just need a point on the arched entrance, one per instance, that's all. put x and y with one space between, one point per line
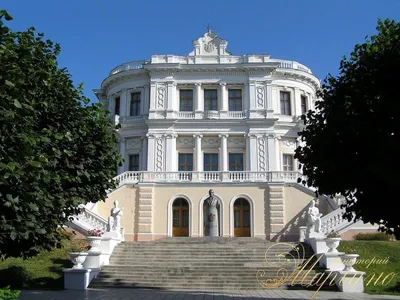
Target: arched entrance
241 215
180 217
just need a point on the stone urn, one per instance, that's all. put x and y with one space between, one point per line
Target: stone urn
349 260
94 242
78 258
332 244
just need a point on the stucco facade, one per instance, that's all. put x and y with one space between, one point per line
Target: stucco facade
210 120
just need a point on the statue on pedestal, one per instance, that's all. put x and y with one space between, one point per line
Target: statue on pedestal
114 220
211 218
313 218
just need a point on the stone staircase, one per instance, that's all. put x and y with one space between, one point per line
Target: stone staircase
203 264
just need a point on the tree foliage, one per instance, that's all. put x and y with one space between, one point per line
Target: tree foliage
57 150
352 140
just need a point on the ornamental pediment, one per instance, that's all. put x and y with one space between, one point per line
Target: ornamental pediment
209 45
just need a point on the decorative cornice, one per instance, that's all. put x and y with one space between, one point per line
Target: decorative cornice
223 135
197 135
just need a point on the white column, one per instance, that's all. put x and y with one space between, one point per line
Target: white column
278 153
253 152
198 98
123 103
122 152
276 102
198 156
224 152
170 162
171 98
271 153
150 152
296 110
252 92
144 153
223 97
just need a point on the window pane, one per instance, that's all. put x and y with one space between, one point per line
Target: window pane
186 100
235 99
246 219
134 162
185 218
176 218
185 162
117 105
210 100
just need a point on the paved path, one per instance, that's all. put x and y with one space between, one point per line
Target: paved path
142 294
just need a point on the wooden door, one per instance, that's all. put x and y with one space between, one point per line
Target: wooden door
241 211
180 218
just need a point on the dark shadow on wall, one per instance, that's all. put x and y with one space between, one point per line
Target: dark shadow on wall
290 232
267 215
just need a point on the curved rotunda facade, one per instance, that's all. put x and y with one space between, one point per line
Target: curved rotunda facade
209 120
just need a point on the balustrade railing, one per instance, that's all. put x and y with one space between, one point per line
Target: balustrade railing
133 65
334 221
185 115
236 115
211 114
130 177
92 219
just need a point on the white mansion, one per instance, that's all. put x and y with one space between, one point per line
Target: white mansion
211 120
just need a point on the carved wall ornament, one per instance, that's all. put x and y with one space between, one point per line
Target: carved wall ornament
260 96
133 143
211 141
160 96
159 157
261 154
236 141
185 141
209 47
288 143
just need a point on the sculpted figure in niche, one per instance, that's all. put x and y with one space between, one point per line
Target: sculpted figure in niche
211 218
114 220
314 218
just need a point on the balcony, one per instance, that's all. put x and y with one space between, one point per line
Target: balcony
133 65
206 177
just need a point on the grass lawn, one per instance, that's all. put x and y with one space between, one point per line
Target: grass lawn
377 270
40 272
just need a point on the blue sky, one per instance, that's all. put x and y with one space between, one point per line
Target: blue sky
97 35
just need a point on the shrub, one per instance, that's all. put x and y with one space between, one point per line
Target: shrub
333 234
65 235
373 236
7 294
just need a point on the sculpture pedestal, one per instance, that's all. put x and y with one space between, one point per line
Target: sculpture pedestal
349 281
78 279
318 245
332 261
212 222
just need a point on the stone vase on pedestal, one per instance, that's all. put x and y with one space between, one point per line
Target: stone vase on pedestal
94 242
78 258
349 260
332 244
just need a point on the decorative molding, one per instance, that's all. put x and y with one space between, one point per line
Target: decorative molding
260 91
235 141
185 141
224 135
170 135
286 143
134 143
161 96
197 136
261 154
159 154
211 141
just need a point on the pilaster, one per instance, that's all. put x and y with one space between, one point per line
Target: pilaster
276 210
146 99
144 153
171 98
170 154
297 102
270 107
271 152
151 151
123 103
145 212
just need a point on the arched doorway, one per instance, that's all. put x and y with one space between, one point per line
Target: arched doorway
180 217
241 215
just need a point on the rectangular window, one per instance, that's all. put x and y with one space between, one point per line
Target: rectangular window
303 105
135 104
134 162
287 162
235 100
235 161
210 162
285 104
117 105
186 100
210 100
185 162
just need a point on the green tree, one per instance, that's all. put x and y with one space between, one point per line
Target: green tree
57 151
352 140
